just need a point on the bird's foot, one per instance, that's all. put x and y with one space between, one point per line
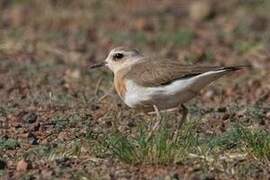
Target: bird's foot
184 111
156 125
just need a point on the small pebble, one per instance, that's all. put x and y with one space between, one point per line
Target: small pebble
108 123
33 140
131 123
3 164
63 162
34 127
222 109
30 118
200 10
22 165
175 176
226 116
94 107
268 115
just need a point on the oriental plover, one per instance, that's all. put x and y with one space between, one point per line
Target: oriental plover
152 84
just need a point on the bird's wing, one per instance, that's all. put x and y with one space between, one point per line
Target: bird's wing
151 72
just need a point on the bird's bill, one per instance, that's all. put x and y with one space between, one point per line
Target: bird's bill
97 65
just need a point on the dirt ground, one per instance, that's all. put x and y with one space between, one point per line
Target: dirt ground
59 120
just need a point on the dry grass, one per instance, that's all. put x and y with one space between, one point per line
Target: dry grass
66 122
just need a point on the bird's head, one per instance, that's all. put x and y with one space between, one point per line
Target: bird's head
119 58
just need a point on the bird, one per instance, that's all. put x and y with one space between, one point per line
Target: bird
153 84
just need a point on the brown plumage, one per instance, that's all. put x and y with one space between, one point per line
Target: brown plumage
119 83
157 72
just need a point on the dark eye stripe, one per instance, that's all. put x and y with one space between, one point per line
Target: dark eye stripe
118 56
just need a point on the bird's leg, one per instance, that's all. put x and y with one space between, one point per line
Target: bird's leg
184 111
157 124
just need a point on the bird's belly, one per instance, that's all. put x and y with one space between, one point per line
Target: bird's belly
164 97
168 96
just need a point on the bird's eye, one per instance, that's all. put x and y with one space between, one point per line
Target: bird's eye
118 56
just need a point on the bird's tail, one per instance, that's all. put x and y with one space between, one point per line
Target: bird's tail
236 68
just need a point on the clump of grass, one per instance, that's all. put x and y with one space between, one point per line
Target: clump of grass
69 150
256 112
159 149
39 151
162 149
255 142
63 121
56 151
8 144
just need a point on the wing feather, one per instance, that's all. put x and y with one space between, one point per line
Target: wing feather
151 72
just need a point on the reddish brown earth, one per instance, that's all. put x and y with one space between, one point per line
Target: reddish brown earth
51 114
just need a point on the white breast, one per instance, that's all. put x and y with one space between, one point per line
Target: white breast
171 95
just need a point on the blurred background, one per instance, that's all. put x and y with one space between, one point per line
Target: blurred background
49 96
82 31
59 39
